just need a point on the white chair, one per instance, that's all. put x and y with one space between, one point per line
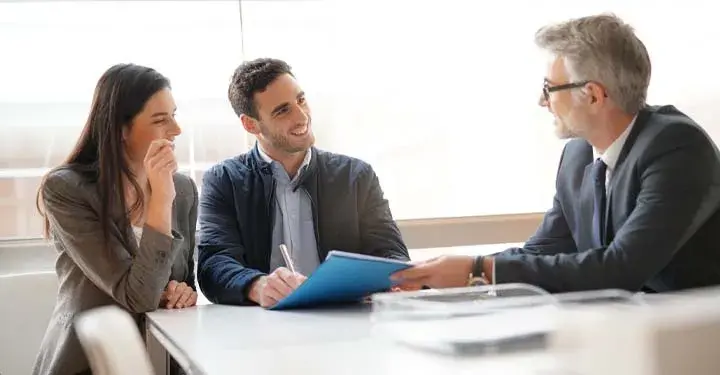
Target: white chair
26 304
112 342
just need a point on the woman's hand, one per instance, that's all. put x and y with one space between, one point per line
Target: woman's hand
178 296
160 165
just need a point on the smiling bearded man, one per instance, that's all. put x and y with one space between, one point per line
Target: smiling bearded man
284 192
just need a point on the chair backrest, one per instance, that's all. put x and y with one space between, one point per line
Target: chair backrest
112 342
26 304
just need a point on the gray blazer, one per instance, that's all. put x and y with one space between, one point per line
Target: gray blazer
92 274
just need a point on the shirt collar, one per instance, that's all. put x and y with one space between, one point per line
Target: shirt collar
264 156
611 155
269 160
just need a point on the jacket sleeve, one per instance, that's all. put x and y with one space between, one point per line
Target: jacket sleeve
192 217
679 192
136 283
379 232
222 276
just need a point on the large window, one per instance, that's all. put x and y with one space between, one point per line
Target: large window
440 96
53 54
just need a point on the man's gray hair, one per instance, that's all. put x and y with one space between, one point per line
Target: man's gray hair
603 49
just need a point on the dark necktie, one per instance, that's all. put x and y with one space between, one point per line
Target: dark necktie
598 223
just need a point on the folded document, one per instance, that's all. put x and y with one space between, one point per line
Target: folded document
343 277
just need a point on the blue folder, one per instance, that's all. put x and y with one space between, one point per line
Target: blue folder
343 278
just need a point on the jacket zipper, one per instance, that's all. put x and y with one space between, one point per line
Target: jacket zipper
271 214
315 221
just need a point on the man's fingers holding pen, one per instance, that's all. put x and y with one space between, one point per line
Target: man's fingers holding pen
278 281
299 279
292 279
270 296
269 290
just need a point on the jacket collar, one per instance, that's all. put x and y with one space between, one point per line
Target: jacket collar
261 165
639 123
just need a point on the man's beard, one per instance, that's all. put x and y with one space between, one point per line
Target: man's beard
562 131
282 142
569 126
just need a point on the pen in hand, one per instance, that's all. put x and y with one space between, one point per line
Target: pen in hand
288 259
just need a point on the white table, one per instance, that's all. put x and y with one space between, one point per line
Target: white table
218 339
215 339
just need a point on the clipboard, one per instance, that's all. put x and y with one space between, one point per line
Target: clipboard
343 278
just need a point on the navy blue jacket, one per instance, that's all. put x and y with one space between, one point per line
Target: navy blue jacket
237 209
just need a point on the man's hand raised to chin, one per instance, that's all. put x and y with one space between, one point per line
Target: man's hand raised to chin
266 291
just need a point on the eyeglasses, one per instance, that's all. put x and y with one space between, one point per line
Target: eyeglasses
547 89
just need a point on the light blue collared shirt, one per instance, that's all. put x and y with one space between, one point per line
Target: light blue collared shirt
293 224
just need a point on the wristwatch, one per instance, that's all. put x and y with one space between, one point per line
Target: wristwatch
477 276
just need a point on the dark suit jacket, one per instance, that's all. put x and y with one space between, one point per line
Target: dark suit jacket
663 220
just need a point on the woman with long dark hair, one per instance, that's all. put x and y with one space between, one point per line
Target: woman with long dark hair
121 219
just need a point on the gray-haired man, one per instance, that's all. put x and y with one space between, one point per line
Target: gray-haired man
638 189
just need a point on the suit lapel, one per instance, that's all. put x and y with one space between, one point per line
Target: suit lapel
638 126
629 142
608 217
586 206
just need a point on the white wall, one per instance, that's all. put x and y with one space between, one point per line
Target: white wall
419 235
27 301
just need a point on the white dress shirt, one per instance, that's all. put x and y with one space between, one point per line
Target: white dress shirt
611 155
